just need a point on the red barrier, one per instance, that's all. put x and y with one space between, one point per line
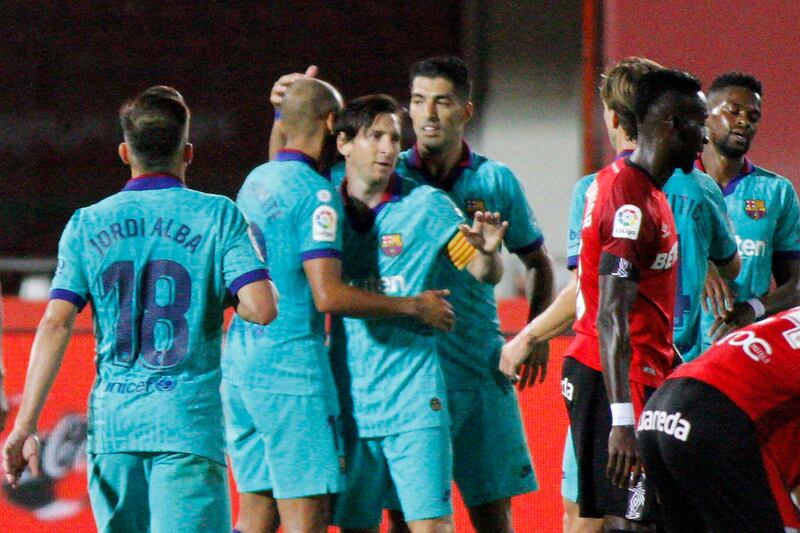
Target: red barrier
59 502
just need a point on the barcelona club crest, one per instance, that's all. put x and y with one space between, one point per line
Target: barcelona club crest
392 244
755 209
475 205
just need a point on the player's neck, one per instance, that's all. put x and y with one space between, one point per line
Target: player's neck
309 145
720 167
624 144
440 164
654 163
179 173
367 191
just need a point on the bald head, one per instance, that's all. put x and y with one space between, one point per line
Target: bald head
307 104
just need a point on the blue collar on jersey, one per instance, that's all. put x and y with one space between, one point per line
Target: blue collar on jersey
149 182
287 154
447 183
747 169
623 154
394 190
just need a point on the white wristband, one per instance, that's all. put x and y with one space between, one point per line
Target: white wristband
622 414
758 307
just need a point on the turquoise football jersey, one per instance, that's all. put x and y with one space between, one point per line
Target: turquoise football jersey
470 354
157 261
387 370
296 215
576 219
764 209
704 232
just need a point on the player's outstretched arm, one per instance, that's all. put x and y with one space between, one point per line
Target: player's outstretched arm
522 349
617 296
539 271
277 139
3 398
485 235
785 296
258 302
332 295
21 449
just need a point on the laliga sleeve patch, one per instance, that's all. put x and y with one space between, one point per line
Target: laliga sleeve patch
627 221
323 224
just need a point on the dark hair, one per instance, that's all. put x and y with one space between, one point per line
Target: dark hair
450 68
653 85
154 124
361 113
736 79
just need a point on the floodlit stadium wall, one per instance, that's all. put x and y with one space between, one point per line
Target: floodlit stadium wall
58 501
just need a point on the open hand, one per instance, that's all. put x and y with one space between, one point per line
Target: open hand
486 233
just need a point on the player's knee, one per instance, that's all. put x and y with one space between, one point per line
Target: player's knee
493 517
443 524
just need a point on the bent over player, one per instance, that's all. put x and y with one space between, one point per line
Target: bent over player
715 434
158 262
399 237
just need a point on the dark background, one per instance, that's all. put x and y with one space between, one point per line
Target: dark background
65 68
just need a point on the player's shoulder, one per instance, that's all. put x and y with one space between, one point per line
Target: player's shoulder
491 168
581 186
435 201
772 179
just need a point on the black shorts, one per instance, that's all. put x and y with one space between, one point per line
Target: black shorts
590 418
702 452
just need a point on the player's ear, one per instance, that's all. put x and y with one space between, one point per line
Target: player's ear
469 110
188 153
122 150
614 119
343 144
329 120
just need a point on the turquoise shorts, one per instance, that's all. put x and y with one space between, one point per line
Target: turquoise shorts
411 471
289 445
158 493
491 460
569 470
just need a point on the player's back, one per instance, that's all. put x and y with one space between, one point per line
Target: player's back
155 261
757 367
294 214
704 233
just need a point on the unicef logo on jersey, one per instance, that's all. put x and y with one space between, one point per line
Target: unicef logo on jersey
147 386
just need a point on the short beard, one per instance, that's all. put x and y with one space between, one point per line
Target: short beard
728 151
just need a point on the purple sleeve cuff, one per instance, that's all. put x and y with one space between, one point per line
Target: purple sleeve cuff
572 262
789 254
248 278
68 296
724 261
528 248
321 253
